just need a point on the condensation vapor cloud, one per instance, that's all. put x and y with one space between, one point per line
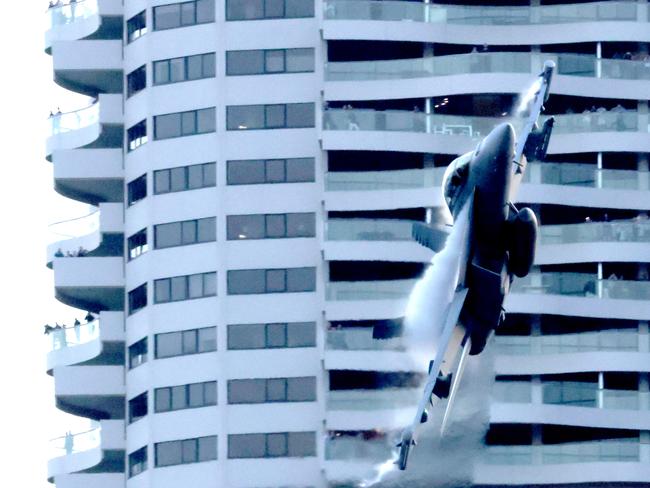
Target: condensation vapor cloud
446 461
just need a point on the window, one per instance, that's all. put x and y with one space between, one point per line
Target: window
259 226
269 61
185 232
137 407
272 390
137 244
184 123
136 81
185 287
268 9
280 116
186 451
136 27
137 298
186 342
136 136
137 189
138 461
258 171
251 281
183 14
138 353
194 395
281 444
186 68
185 178
263 336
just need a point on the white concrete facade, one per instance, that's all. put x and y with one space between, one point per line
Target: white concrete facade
199 279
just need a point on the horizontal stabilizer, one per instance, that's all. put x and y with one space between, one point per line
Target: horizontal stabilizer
433 238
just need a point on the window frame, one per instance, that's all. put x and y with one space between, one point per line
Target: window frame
264 163
138 458
286 53
208 174
179 5
136 136
198 348
198 458
183 118
137 250
133 295
185 60
266 435
233 125
268 273
267 396
169 390
186 285
185 233
135 34
232 234
264 16
136 350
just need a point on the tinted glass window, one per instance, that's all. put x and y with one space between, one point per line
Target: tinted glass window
246 281
301 279
138 353
186 342
138 461
259 336
300 169
301 334
246 172
206 120
138 298
205 11
207 339
300 60
302 444
167 235
166 16
276 335
244 62
246 336
168 126
300 115
136 27
246 391
245 117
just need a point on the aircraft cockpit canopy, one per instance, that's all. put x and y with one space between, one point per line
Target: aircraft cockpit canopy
455 178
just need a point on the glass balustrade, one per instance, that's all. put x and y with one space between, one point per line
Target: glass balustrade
345 448
512 391
581 285
470 126
383 180
478 15
73 443
583 394
606 340
499 62
616 231
384 399
70 336
70 12
606 450
369 290
73 228
360 339
70 121
586 175
369 230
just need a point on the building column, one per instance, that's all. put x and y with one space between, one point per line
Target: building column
599 55
642 163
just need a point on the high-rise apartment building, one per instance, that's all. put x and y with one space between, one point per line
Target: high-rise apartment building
256 166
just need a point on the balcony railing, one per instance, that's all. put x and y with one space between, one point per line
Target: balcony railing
586 175
384 180
369 230
463 15
498 62
369 290
73 335
607 450
71 121
581 285
73 443
73 228
470 126
571 393
616 231
71 12
606 340
364 400
345 448
360 339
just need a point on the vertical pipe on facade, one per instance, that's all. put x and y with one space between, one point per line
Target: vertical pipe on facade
599 54
600 392
642 164
599 167
599 280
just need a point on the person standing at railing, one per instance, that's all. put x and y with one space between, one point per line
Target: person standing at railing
77 330
68 442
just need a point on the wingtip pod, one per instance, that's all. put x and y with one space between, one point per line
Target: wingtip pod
547 75
404 448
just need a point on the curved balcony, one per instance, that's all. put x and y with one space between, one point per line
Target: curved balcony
615 460
585 185
98 342
92 391
89 67
597 21
90 283
91 176
579 294
498 72
400 130
383 409
99 125
98 234
93 456
374 240
84 19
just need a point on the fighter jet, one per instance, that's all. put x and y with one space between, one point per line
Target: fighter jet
498 243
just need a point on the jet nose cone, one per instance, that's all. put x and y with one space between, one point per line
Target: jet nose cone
505 134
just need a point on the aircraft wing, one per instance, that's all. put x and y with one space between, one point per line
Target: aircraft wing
532 142
432 237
